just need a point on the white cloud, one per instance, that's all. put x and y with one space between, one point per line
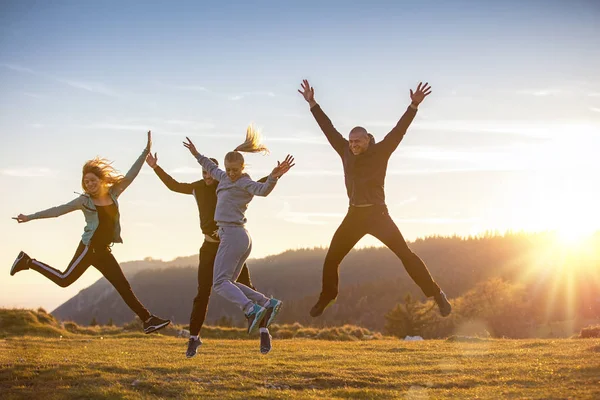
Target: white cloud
116 127
189 87
305 218
34 95
405 201
321 218
595 109
18 68
94 87
541 92
242 95
190 124
28 172
232 97
188 170
305 140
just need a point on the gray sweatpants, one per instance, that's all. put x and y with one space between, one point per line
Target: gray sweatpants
234 249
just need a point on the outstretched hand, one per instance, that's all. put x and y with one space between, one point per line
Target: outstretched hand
419 95
190 146
283 167
152 160
21 218
308 92
149 144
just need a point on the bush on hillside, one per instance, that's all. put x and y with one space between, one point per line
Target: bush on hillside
590 332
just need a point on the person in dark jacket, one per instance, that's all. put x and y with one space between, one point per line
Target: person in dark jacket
365 164
205 194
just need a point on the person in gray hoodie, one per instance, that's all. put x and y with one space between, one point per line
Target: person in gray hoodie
234 192
102 185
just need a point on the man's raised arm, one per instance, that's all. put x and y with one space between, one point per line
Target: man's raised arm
393 139
337 141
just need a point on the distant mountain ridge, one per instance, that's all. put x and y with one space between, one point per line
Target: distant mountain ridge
372 281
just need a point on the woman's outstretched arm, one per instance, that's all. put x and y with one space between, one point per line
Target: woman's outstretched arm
263 189
53 212
120 187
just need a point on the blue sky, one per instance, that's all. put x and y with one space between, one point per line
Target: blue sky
507 140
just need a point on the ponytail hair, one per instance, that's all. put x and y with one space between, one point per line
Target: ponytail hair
103 169
252 144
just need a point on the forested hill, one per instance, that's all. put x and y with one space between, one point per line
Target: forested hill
373 280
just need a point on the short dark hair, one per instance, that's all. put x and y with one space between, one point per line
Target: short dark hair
214 160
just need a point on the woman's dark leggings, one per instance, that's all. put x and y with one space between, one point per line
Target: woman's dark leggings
103 260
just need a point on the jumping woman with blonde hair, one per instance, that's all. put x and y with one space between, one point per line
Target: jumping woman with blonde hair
102 185
234 192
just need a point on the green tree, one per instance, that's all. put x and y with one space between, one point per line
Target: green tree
405 319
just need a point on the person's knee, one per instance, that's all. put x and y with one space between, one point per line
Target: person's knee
331 261
218 286
202 296
65 283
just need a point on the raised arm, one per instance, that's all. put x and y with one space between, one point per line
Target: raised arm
120 187
207 164
263 189
337 141
393 139
185 188
52 212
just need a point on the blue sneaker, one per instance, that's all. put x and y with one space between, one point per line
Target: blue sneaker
272 311
254 317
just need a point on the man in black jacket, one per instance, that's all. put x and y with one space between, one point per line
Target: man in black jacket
365 165
204 191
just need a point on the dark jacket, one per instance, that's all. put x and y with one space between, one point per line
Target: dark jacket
365 173
205 195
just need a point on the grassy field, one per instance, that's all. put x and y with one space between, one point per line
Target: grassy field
155 367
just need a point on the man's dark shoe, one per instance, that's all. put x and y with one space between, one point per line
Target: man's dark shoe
322 304
254 317
21 263
265 342
154 323
443 303
193 345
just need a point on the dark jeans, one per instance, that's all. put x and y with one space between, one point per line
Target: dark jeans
103 260
208 252
376 221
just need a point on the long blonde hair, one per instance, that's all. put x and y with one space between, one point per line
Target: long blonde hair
252 144
103 169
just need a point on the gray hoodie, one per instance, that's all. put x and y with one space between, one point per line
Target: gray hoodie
233 197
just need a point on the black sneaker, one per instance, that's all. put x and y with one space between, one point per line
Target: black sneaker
265 342
193 345
272 310
443 303
321 305
155 323
254 317
21 263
